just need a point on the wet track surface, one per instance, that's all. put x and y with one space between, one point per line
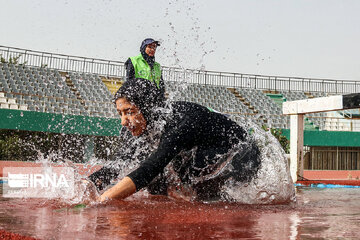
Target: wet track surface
317 214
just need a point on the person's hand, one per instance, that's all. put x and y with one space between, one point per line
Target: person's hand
103 198
124 188
86 192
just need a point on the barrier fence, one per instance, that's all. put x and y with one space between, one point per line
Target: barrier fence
110 68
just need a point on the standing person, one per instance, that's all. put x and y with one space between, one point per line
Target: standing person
144 65
198 150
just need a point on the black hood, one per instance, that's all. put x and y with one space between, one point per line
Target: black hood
148 59
144 94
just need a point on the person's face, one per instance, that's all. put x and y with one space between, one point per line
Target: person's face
131 117
151 49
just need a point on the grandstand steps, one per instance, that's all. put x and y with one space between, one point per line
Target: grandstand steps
72 87
242 99
113 84
236 94
309 95
63 74
251 107
270 92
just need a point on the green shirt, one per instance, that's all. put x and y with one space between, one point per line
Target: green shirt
143 70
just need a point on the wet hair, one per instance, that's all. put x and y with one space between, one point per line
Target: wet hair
143 94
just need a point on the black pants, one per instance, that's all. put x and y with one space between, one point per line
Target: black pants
244 169
245 166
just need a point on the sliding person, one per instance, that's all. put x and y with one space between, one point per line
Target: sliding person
179 146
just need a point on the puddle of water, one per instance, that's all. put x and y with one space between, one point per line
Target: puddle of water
317 214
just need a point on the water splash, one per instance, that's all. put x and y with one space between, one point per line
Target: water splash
187 43
47 163
273 183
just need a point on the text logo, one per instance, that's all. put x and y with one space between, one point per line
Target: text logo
38 182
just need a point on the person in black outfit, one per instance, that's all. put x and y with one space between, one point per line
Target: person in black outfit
196 150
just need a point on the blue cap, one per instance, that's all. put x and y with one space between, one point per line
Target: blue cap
148 41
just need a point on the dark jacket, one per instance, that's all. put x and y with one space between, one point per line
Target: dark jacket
196 143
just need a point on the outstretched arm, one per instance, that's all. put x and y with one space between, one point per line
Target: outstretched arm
121 190
103 177
173 141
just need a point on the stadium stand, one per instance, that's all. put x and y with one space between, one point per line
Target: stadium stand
265 107
214 97
71 95
49 90
61 84
46 90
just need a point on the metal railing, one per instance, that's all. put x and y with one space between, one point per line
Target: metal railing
262 82
116 69
62 62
